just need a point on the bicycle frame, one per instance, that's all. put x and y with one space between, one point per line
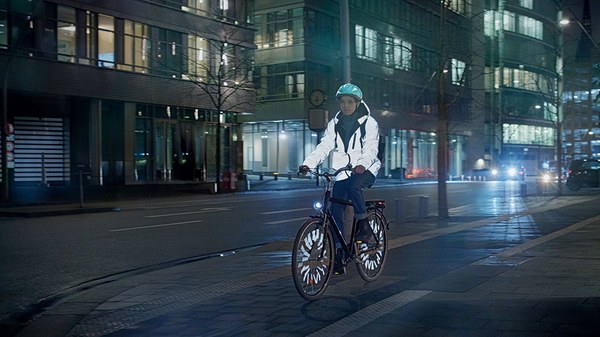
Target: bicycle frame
328 219
314 245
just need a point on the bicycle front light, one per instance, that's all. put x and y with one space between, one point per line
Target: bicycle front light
317 205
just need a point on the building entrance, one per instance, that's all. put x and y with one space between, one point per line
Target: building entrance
175 151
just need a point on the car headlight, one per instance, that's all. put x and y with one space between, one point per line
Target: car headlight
494 172
512 172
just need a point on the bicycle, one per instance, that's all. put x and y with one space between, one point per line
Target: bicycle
313 253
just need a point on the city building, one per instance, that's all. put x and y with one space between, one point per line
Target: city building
410 58
522 63
114 92
581 97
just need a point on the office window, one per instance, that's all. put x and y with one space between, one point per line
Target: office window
531 27
136 50
169 54
397 53
3 29
66 33
458 6
197 58
198 7
458 72
321 29
106 41
366 43
285 80
402 54
283 28
526 3
528 134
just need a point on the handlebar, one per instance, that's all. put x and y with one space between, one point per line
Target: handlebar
328 175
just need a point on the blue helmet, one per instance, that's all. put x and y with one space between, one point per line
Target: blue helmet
350 90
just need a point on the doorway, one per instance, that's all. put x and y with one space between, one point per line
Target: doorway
176 147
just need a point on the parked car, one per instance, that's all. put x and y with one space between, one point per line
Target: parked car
583 173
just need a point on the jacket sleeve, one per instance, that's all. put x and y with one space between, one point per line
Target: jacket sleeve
324 147
370 147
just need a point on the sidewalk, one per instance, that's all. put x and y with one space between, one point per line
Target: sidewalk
543 286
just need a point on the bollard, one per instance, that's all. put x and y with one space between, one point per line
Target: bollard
261 176
423 206
248 185
399 209
523 189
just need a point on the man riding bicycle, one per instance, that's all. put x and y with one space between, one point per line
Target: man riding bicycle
353 136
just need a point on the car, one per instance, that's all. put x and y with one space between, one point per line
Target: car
583 173
509 172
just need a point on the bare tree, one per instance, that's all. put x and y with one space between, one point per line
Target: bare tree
220 66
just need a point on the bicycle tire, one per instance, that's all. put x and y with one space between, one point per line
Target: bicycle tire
312 259
371 256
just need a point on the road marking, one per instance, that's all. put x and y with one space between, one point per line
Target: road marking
204 210
369 314
285 220
287 211
154 226
532 243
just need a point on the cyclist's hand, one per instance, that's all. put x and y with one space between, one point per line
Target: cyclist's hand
359 169
303 170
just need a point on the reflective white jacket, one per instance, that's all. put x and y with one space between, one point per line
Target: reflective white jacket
362 149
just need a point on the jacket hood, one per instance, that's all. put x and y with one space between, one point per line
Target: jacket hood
362 110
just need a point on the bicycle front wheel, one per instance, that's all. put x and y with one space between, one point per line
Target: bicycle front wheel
312 259
371 256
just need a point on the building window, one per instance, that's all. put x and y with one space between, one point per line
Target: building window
282 28
525 80
402 54
526 3
366 43
3 29
106 41
458 72
531 27
197 58
285 81
136 51
458 6
198 7
528 134
66 33
513 23
169 54
321 29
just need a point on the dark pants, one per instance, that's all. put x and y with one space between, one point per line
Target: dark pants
351 189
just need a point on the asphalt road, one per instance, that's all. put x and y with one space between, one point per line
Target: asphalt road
46 256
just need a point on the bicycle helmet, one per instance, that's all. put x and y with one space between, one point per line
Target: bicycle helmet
350 90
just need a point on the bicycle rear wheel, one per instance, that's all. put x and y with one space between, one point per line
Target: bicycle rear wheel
312 259
371 256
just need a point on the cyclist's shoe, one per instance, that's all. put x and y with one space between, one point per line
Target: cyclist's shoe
363 232
338 265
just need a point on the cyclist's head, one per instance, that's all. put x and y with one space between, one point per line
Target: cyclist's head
349 89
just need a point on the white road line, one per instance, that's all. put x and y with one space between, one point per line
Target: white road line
369 314
154 226
204 210
532 243
285 220
287 211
